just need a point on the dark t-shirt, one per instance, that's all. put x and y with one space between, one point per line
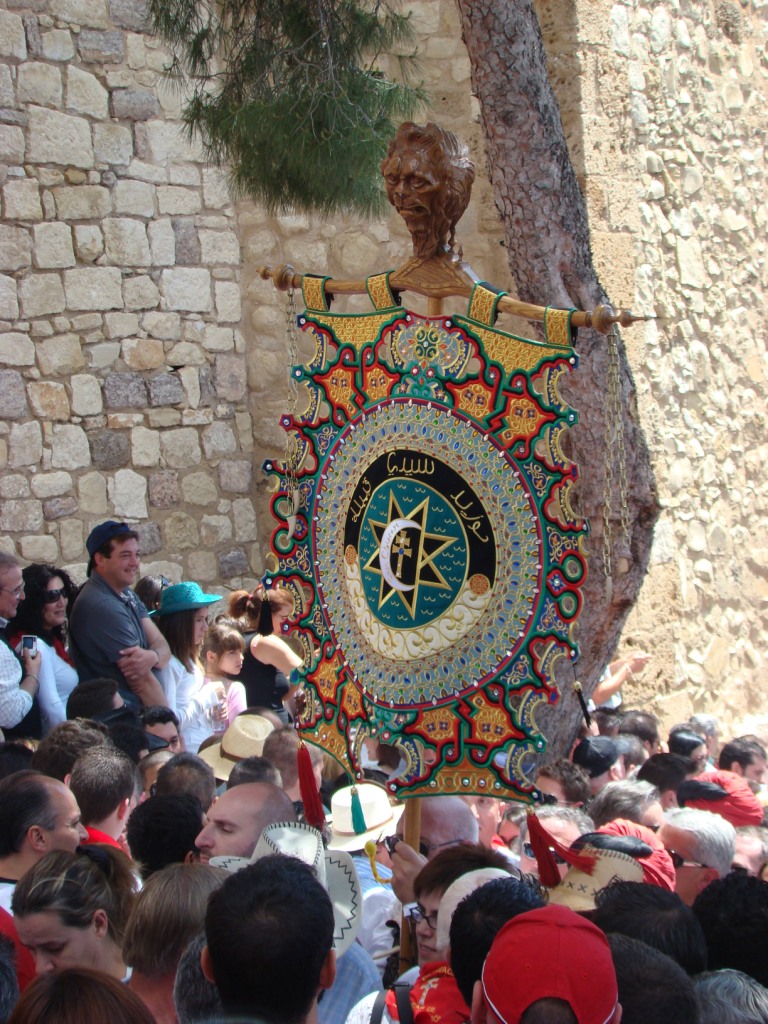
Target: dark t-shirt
102 624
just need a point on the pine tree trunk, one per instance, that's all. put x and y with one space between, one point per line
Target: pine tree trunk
547 238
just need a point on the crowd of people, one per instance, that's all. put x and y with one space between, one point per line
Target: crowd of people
157 864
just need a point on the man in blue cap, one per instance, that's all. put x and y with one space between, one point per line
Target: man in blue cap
111 633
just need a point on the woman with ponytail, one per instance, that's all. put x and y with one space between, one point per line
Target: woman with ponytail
269 661
71 909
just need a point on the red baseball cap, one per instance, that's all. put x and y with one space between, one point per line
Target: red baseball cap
550 953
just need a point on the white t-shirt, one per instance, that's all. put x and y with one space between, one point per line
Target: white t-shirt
6 895
57 680
191 698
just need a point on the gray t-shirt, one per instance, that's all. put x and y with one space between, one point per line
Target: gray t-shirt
103 623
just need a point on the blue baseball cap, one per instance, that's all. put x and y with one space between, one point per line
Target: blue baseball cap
103 532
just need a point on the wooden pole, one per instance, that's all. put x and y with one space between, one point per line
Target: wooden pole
421 281
411 836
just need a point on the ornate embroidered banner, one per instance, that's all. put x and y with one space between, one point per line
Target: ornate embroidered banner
436 558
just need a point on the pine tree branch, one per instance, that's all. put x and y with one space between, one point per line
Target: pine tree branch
287 94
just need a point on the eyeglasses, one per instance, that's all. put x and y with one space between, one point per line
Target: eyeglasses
528 851
417 913
425 848
680 862
52 596
18 591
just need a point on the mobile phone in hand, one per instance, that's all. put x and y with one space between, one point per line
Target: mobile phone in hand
29 643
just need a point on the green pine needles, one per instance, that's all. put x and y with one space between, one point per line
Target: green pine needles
288 94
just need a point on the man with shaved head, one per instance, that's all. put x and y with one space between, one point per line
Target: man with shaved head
234 823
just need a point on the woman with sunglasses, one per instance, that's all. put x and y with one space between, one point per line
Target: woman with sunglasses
149 590
48 596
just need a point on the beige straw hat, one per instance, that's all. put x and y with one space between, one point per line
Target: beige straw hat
577 890
244 738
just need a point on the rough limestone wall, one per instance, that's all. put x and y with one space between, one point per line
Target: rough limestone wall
143 363
123 364
133 383
692 121
664 108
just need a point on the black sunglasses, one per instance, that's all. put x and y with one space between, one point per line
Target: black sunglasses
680 862
424 848
52 596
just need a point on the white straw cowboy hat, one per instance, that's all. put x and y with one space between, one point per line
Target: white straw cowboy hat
380 816
244 738
334 869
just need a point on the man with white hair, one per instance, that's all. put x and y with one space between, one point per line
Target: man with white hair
701 846
565 824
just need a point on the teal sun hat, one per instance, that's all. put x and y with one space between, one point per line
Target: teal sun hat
183 597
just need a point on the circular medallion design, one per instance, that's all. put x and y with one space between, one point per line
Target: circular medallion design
414 507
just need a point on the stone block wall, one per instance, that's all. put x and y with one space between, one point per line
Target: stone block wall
663 106
123 360
694 81
144 363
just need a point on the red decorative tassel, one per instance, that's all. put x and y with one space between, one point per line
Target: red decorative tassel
541 841
545 846
310 794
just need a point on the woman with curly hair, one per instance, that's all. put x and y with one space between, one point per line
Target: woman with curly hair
269 661
71 909
48 596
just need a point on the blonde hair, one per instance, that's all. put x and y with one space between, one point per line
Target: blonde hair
168 913
76 885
